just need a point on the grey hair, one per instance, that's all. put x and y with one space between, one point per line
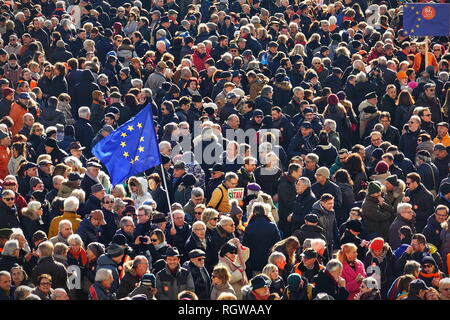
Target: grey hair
224 221
305 181
120 189
197 192
84 112
124 221
198 223
137 82
333 264
268 268
230 175
402 206
76 238
312 156
71 204
147 210
297 89
274 256
266 90
178 212
318 244
227 56
64 222
330 123
57 293
57 179
74 161
79 194
10 247
102 275
22 292
411 267
361 77
444 281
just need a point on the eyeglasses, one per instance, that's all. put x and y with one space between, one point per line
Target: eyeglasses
200 259
436 49
217 219
8 199
46 283
108 202
259 117
198 212
202 229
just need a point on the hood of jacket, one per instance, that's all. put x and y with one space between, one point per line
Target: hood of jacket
105 260
398 190
323 147
283 85
141 183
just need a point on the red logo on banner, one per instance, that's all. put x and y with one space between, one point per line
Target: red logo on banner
428 13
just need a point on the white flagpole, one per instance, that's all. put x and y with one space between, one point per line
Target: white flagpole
167 193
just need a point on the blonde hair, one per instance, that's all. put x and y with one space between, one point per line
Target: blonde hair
345 249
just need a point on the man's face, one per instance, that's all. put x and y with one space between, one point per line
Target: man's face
308 262
231 183
99 194
142 217
408 214
5 283
276 115
8 200
197 200
320 178
200 231
178 220
328 205
413 125
172 262
93 171
410 184
66 231
441 131
426 116
198 262
376 140
108 203
343 157
250 167
417 247
385 122
430 92
305 132
392 92
445 290
229 227
441 215
264 291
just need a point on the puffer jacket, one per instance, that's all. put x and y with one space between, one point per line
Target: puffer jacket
394 197
51 116
257 85
350 274
282 93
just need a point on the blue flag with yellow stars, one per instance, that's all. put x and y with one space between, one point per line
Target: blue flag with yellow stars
426 19
130 149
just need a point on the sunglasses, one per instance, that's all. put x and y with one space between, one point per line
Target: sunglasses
46 283
108 202
217 219
153 240
198 212
200 259
427 115
8 199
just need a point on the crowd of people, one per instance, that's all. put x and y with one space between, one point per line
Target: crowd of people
304 151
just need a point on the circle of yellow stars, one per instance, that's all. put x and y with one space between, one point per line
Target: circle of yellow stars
123 144
418 19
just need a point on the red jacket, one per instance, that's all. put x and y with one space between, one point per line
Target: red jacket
199 62
5 155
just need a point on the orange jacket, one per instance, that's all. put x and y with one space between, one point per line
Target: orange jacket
32 83
418 60
16 113
5 155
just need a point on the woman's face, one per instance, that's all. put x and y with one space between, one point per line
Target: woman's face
152 184
17 276
90 255
213 221
274 274
27 75
103 81
193 85
351 255
215 280
431 295
45 285
75 247
154 239
39 212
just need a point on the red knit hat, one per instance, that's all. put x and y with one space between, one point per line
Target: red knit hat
333 99
376 244
8 91
381 167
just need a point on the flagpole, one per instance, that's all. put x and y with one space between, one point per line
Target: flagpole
426 52
167 193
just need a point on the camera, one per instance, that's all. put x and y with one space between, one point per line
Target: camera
143 239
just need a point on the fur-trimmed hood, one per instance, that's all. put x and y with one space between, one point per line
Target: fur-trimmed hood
128 267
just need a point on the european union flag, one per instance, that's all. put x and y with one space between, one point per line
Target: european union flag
131 149
426 19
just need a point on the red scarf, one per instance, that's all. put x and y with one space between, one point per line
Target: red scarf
259 297
80 256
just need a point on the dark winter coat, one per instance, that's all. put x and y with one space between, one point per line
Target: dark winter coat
82 92
302 206
105 262
88 232
84 133
8 217
308 231
328 187
327 220
286 198
432 231
202 280
376 217
49 266
324 282
260 235
394 237
422 201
